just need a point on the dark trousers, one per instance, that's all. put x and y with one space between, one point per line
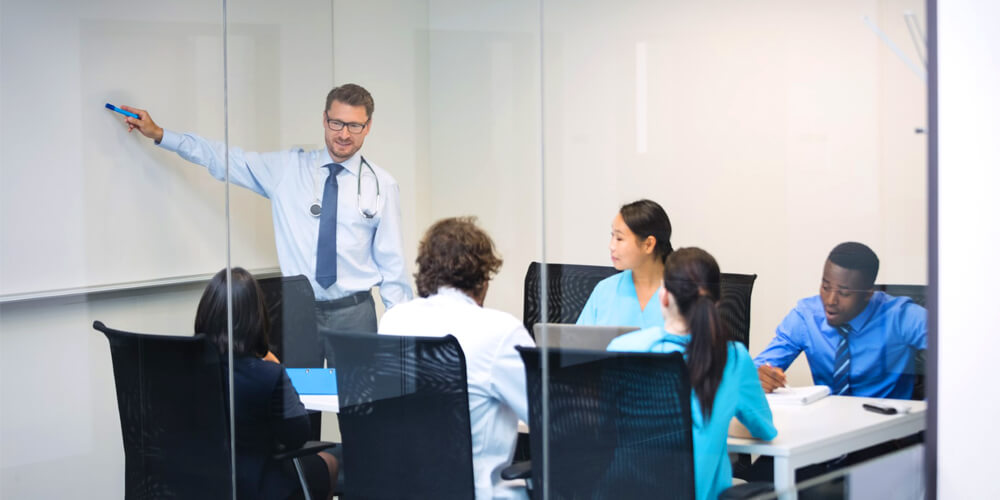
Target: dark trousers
354 314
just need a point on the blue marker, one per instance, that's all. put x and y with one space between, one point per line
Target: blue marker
116 109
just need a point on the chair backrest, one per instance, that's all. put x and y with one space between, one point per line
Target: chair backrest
619 424
291 307
918 293
404 417
173 415
569 287
734 305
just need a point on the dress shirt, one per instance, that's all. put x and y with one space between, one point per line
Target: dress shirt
369 251
497 397
884 341
614 302
739 395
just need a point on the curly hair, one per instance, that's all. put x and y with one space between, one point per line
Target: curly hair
455 253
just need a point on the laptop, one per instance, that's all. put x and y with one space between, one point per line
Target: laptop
572 336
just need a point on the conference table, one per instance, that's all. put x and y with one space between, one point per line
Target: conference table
827 429
807 434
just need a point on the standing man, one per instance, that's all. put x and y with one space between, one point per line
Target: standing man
336 215
859 342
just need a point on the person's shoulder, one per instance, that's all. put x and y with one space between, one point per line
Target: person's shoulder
896 303
501 319
738 352
258 369
638 341
383 175
611 282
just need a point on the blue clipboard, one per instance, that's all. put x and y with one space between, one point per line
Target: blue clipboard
314 381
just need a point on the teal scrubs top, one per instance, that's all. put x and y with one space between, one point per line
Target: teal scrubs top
614 302
739 395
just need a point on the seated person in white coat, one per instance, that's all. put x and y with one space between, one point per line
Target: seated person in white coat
455 263
640 244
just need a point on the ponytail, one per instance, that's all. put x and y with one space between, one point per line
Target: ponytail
706 351
692 276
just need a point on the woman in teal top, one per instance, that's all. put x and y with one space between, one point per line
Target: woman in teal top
640 243
724 381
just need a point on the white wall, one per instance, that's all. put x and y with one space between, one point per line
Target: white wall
774 131
968 157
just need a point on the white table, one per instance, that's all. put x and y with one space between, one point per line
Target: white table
825 430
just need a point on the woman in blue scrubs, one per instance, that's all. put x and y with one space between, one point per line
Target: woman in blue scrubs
640 244
724 381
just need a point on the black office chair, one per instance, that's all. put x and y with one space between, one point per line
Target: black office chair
570 285
917 293
404 417
734 305
291 306
294 338
172 401
619 425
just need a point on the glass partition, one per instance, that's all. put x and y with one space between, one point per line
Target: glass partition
99 224
768 132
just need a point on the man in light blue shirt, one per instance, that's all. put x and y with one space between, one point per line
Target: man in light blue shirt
858 341
368 239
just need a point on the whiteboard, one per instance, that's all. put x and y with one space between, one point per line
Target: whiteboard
83 203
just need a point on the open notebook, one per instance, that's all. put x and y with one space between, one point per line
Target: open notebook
798 395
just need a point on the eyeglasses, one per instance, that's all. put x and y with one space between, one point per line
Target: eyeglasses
337 125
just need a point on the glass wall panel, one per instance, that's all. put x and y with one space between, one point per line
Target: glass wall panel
770 133
98 224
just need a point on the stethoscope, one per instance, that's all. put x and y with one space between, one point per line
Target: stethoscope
317 207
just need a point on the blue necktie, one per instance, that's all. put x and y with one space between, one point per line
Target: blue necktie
326 250
842 364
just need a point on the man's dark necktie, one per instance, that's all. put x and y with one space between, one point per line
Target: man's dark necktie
326 250
842 364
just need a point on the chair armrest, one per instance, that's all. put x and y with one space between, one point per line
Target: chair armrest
518 470
309 448
746 490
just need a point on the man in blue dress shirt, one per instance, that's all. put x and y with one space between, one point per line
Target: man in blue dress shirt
342 232
858 341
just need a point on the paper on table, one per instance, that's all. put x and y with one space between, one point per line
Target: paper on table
798 395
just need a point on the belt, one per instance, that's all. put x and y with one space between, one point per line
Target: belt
350 300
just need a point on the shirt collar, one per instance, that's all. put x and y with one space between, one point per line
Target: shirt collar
450 293
352 164
861 319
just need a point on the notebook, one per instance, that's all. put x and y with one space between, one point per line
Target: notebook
798 395
313 381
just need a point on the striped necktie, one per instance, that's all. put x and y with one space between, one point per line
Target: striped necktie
842 364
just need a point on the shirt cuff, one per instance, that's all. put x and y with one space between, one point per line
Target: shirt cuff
171 141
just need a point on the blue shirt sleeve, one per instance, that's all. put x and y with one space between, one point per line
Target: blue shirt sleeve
914 325
258 172
786 344
752 410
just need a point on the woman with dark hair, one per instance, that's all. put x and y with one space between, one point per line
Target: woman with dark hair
455 262
640 243
723 378
267 407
